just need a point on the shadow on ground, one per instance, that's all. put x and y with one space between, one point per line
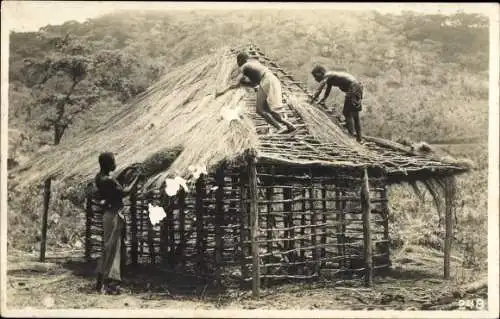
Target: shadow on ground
152 281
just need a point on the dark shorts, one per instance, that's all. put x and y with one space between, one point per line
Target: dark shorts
353 98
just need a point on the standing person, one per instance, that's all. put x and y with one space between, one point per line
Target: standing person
109 265
353 94
268 94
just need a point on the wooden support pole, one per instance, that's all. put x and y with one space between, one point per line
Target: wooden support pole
341 228
164 234
200 246
133 226
324 221
150 243
269 233
181 203
233 207
140 229
254 225
286 225
367 235
46 201
385 215
171 232
287 207
219 220
88 226
449 203
314 218
244 223
303 224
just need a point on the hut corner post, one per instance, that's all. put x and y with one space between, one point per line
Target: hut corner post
133 226
367 235
254 224
219 220
46 201
449 201
88 227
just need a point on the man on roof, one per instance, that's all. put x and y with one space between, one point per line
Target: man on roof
353 94
268 93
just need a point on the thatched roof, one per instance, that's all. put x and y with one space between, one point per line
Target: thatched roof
181 111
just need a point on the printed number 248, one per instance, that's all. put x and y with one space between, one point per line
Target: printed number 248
472 304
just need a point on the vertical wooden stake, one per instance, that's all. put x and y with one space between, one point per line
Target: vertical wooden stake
386 225
200 247
171 232
338 228
133 230
181 198
219 219
88 226
269 233
449 200
46 201
244 224
367 235
343 226
313 229
324 221
140 230
150 242
303 228
233 208
288 208
254 224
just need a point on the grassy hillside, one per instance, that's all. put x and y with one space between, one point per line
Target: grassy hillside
426 78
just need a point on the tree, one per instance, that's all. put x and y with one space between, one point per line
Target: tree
58 85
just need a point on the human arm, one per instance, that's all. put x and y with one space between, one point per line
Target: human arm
119 190
319 90
327 93
242 80
128 189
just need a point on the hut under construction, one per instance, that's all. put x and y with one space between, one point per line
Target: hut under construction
269 206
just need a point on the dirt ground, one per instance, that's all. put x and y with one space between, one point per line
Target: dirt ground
414 283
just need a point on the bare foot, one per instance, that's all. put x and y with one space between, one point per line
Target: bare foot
288 130
283 130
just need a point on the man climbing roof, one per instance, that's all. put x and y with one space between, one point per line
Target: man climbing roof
353 94
268 93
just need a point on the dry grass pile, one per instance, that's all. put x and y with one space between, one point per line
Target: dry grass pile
180 111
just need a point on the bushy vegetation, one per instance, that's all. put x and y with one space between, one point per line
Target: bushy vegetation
425 78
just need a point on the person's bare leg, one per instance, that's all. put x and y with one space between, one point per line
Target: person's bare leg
269 119
348 121
261 109
280 119
277 117
357 125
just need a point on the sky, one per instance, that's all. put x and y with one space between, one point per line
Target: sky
31 15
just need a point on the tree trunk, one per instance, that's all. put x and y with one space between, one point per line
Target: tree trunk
58 133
